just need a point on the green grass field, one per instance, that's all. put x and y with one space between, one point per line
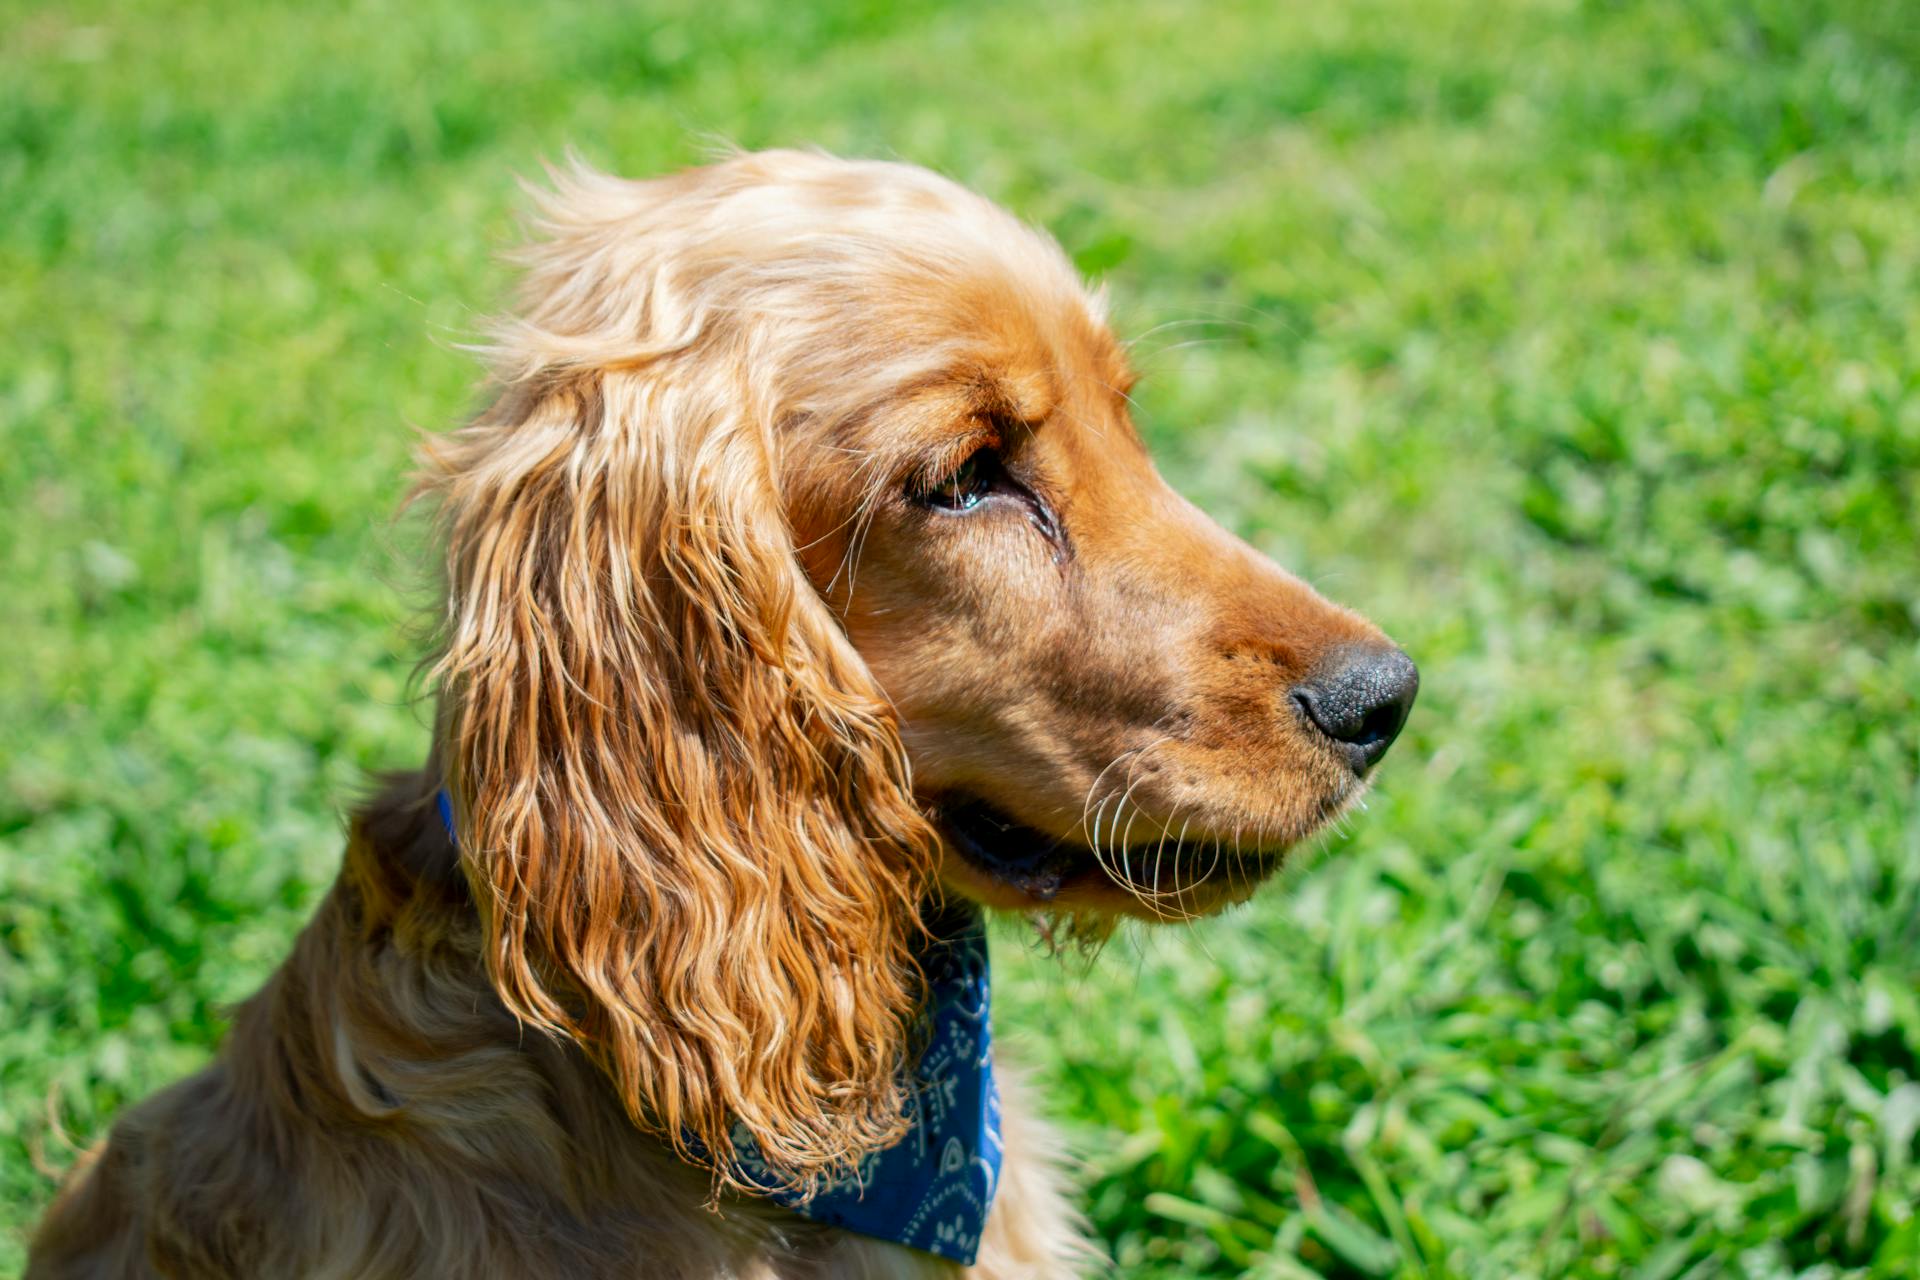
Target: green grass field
1577 343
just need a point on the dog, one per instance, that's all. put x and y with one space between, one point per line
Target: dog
808 590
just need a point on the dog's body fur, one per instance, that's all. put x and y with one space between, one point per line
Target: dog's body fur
804 569
507 1158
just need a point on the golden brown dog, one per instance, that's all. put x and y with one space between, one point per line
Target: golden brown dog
805 568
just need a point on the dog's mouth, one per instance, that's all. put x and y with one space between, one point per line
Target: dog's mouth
1169 875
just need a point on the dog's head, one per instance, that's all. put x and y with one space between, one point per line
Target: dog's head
808 558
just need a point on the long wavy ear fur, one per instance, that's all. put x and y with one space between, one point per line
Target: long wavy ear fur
682 803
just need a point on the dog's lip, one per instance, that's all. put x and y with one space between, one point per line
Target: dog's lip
1043 866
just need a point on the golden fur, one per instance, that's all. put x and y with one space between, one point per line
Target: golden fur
712 669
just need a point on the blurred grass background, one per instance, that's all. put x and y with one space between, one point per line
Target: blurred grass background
1573 341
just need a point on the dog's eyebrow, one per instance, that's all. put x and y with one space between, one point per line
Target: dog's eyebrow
1025 402
968 406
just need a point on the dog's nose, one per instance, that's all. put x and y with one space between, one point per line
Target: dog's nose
1359 696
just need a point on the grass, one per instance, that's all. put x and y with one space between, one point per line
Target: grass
1577 343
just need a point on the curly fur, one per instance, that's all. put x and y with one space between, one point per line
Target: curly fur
658 742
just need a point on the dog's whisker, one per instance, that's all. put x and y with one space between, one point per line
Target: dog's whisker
1126 880
1094 787
1163 326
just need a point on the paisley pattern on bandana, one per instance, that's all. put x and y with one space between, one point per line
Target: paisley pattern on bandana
931 1190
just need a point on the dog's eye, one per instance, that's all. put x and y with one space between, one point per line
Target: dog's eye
964 487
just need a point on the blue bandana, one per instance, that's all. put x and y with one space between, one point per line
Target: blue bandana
932 1189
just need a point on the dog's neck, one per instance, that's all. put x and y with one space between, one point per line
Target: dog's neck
404 885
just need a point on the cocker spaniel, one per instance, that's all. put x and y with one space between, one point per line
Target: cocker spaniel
807 589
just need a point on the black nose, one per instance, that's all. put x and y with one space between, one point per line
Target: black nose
1359 697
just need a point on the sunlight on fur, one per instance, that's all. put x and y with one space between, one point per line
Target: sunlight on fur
804 569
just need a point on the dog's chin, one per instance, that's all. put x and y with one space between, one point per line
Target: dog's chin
1003 864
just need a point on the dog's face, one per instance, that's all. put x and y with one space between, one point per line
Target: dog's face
1110 702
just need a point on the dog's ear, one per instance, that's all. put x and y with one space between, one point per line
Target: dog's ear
681 801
